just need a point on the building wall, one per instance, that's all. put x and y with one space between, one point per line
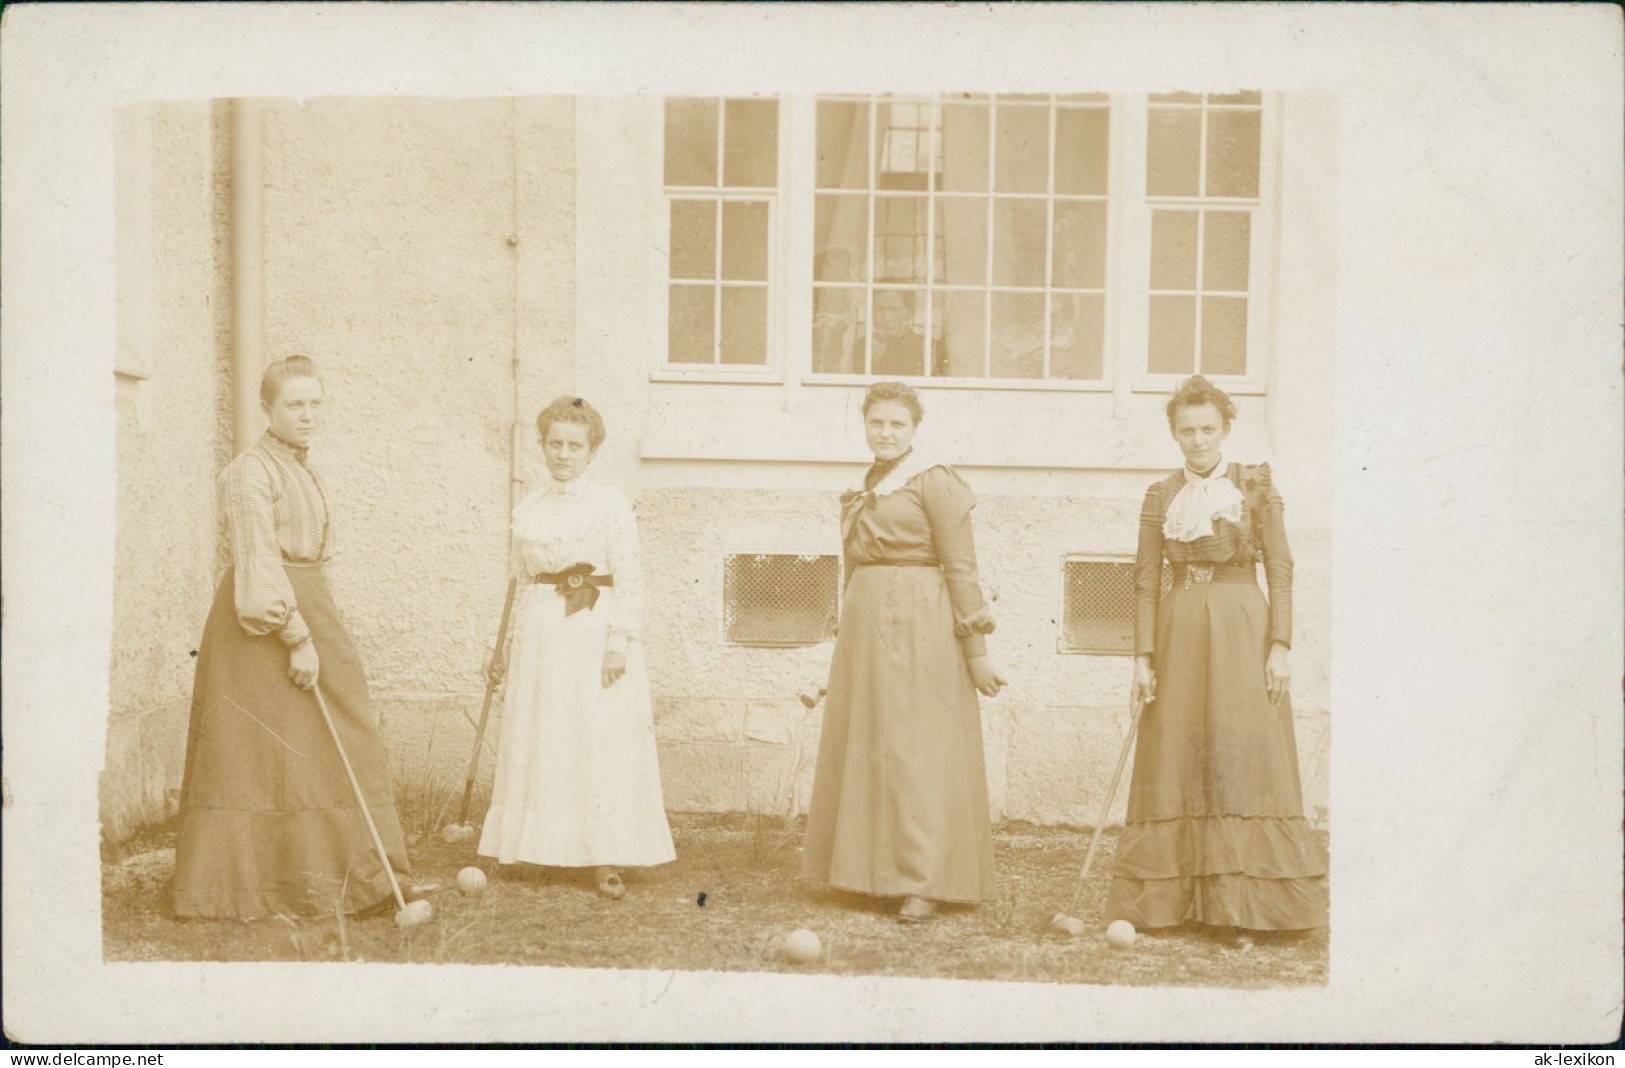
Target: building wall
444 264
169 430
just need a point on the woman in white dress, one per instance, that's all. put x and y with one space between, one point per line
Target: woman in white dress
577 774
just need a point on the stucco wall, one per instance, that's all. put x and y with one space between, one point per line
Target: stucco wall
168 433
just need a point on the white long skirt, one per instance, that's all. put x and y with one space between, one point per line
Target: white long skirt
577 772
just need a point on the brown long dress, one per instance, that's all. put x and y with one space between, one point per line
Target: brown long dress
1215 830
899 803
269 821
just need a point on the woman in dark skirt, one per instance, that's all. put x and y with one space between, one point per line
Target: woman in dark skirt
1215 832
899 802
270 823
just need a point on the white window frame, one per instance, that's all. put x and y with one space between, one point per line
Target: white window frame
1127 291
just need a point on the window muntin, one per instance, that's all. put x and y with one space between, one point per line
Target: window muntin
971 231
721 181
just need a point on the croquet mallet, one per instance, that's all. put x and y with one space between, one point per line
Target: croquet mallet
461 830
1064 921
406 915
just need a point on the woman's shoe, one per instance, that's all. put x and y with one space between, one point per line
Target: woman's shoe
609 883
916 910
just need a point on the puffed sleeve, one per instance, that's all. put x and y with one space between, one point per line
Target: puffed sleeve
1148 572
948 503
626 606
1269 525
264 598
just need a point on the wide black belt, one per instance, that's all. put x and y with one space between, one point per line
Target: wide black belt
576 584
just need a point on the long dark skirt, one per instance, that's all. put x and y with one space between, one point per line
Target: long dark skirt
899 803
270 823
1215 830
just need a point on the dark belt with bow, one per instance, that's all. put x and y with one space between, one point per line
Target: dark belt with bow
577 585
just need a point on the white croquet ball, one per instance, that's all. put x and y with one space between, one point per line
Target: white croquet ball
453 833
414 913
800 946
1120 934
471 880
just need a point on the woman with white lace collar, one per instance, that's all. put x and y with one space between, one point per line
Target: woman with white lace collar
577 774
1215 832
899 804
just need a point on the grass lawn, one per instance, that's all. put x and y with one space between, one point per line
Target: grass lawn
747 870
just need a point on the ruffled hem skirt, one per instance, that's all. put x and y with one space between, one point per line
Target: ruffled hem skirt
270 824
1215 831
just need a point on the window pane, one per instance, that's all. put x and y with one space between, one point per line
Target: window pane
837 330
1080 150
1080 245
961 324
1246 96
744 324
843 144
1176 98
691 142
1022 162
744 241
1018 335
900 239
750 143
690 328
964 148
693 239
1173 249
1174 143
903 145
962 240
1099 98
1173 335
898 343
1224 335
840 238
1077 331
1225 246
1232 153
1018 242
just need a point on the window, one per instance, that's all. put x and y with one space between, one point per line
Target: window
1202 186
1083 241
969 230
1097 605
721 176
780 599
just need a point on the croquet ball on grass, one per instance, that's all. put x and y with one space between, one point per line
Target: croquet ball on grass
800 946
414 913
471 880
1120 934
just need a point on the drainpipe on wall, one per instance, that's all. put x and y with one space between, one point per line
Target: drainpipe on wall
247 269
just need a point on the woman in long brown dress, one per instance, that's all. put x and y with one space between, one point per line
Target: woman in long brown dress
899 802
1215 832
270 823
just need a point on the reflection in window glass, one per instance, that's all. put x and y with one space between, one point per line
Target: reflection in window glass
1018 335
987 212
1077 335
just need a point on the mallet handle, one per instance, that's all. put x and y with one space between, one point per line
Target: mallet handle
366 814
485 709
1111 795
